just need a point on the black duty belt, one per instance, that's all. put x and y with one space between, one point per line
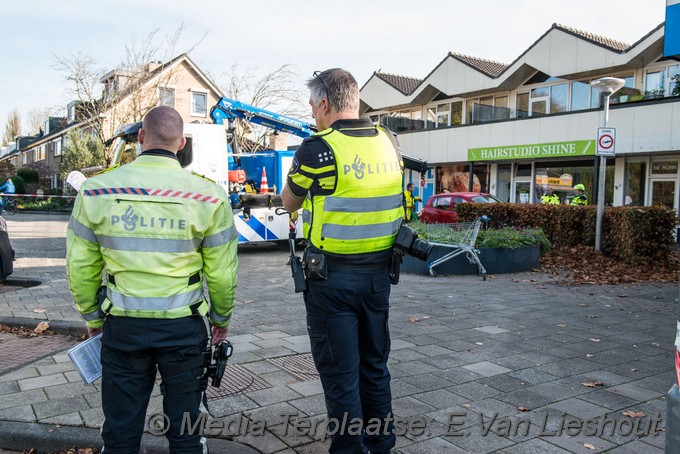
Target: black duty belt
337 266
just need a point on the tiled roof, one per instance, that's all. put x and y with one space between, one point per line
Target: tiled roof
404 84
488 67
601 40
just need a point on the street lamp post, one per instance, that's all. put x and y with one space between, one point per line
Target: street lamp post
606 85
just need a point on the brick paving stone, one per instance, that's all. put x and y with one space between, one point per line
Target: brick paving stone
42 382
487 369
634 392
59 406
310 405
273 395
580 408
19 413
308 388
432 446
440 398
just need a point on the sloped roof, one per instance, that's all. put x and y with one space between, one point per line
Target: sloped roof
406 85
488 67
495 74
596 39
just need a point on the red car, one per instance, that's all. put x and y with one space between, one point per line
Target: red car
441 208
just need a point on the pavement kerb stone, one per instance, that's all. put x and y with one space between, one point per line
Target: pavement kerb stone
58 326
53 438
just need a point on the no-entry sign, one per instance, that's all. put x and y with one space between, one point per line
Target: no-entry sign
606 140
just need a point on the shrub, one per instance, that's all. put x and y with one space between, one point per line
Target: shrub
504 237
636 235
29 175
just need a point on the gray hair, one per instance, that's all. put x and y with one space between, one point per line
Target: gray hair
338 86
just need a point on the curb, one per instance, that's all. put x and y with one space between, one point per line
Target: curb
58 326
53 438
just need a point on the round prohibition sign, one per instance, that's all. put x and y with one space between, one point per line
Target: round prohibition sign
606 141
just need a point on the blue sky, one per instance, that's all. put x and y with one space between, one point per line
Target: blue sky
396 36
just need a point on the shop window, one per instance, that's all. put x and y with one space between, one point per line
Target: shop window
563 175
636 172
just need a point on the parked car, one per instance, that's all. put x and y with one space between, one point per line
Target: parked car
441 208
6 252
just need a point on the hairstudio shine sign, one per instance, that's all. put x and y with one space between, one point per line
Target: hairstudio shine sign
534 151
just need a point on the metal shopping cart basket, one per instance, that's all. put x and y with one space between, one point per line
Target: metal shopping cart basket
461 238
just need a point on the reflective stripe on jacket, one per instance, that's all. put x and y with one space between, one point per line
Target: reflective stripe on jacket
152 225
365 211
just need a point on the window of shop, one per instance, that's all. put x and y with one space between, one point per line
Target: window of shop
504 180
456 178
563 175
635 175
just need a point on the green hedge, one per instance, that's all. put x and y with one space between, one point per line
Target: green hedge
635 235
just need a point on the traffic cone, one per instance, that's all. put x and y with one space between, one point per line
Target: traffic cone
264 186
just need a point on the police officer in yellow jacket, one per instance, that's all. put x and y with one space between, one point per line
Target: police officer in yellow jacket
410 203
154 232
348 179
581 198
550 198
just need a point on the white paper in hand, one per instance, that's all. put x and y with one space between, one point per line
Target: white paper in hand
75 179
86 356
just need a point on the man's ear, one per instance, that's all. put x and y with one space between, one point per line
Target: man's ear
182 143
140 136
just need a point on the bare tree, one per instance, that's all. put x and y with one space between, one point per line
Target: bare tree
108 100
12 127
279 91
35 119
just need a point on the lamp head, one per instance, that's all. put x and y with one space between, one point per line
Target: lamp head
608 85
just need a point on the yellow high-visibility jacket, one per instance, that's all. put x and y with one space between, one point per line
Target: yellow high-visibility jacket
365 211
156 230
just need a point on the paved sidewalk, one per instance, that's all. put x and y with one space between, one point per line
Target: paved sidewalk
511 365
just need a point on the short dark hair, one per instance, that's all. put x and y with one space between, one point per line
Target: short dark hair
164 124
338 86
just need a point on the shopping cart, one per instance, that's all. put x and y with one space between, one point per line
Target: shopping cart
461 238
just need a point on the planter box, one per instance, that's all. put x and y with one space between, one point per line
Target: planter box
495 260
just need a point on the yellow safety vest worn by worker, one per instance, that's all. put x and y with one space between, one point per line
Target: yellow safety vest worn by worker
156 230
365 211
579 200
550 199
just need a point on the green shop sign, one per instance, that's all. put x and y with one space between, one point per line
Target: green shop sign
534 151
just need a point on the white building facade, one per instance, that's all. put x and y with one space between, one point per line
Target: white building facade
515 130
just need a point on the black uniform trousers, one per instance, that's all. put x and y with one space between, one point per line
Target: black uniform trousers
131 350
347 322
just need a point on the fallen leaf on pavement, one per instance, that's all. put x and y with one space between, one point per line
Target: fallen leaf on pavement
656 344
42 327
414 319
561 325
592 339
588 445
588 355
478 343
38 311
522 409
633 414
583 305
592 384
